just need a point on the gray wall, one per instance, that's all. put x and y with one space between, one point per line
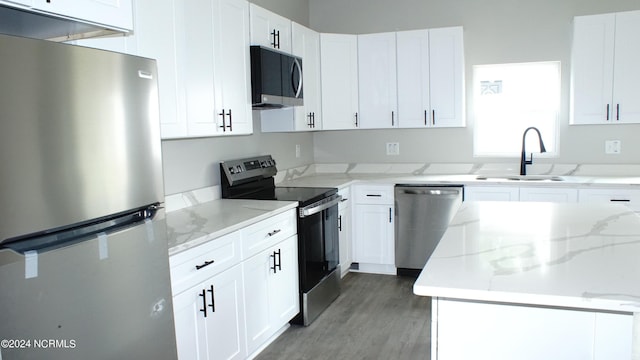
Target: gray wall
495 31
193 163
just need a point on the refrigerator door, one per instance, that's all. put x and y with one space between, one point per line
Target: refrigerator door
105 298
79 135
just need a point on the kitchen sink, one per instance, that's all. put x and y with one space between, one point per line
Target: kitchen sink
520 177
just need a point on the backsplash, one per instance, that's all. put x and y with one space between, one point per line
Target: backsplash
189 198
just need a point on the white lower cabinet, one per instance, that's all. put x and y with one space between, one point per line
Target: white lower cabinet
373 235
209 318
344 231
628 197
271 291
550 194
491 193
233 293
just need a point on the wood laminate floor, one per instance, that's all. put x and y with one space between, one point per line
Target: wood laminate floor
375 317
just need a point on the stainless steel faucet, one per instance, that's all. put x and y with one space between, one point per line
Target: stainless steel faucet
523 158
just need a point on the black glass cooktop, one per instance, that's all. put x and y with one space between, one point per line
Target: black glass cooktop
303 195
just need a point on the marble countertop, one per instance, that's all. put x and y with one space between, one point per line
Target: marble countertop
549 254
340 180
192 226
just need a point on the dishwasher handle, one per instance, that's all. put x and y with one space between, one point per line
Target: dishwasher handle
434 192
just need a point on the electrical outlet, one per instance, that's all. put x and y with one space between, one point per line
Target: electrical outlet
612 147
393 148
297 150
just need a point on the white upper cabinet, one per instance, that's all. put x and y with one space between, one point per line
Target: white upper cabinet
605 72
339 76
308 117
306 44
116 14
430 78
377 80
232 79
270 30
446 77
202 93
414 107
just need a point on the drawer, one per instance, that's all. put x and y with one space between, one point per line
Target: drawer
196 265
373 194
346 198
266 233
628 197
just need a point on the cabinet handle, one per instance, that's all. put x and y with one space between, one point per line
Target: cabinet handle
344 199
425 118
389 215
617 112
309 123
356 119
278 39
277 261
274 232
274 43
206 263
224 123
374 195
392 119
607 112
204 302
213 299
620 200
339 222
313 120
230 121
433 117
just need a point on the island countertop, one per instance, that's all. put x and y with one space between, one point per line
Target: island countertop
548 254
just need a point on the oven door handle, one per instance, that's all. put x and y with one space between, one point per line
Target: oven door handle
318 206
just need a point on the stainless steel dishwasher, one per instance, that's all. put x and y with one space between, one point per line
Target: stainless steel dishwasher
423 213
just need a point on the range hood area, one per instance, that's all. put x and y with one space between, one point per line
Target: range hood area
27 22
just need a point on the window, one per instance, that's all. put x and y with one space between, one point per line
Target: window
508 98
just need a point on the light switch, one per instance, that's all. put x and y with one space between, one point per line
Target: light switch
393 148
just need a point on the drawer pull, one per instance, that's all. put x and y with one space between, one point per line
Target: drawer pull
374 195
274 232
343 199
206 263
620 200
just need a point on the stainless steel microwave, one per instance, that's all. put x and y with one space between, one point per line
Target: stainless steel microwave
276 79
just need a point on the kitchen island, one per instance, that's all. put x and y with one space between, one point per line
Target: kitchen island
514 280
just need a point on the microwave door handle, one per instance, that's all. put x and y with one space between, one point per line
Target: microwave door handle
298 88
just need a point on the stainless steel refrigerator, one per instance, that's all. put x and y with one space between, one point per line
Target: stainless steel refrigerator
84 271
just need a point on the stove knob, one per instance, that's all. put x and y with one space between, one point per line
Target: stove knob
263 164
232 170
238 168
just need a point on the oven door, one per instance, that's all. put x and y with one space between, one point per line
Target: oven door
318 241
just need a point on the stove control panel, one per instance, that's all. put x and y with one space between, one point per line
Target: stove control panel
241 170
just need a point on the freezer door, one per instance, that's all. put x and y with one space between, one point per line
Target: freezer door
79 135
105 298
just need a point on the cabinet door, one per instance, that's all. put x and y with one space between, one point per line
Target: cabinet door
283 284
232 67
626 73
218 333
306 44
194 54
373 242
339 73
592 69
377 80
114 13
156 34
491 193
446 61
257 272
344 228
557 195
414 108
270 30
